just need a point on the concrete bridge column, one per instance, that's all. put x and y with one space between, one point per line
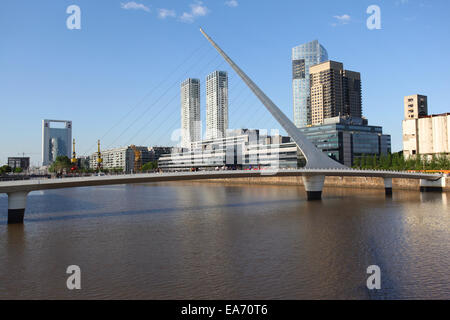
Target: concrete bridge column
388 186
432 186
17 202
313 185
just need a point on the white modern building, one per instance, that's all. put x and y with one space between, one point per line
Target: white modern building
216 105
56 141
303 57
240 149
190 112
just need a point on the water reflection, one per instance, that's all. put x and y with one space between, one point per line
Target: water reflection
207 240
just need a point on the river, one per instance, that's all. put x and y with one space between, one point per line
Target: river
200 240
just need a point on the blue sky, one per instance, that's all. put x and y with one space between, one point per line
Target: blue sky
117 78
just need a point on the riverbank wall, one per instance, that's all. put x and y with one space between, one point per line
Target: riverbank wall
342 182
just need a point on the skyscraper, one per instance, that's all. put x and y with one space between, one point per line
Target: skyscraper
56 141
216 104
303 57
334 92
190 112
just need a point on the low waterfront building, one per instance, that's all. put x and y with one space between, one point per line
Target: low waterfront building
117 158
347 138
240 149
341 138
19 162
128 159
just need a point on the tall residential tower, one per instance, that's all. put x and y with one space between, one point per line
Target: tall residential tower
334 92
190 112
303 57
216 105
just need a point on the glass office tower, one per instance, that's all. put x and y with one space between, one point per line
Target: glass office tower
304 56
56 141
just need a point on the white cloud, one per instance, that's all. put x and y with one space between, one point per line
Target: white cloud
164 13
344 19
197 10
232 3
131 5
187 17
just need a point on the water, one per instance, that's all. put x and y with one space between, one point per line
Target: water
211 241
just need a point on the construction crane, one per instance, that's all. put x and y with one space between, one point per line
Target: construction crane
137 158
99 157
74 155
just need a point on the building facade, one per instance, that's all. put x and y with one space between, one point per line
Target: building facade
129 159
240 149
345 139
423 134
156 152
83 162
190 112
216 104
118 158
334 92
426 136
19 162
56 141
303 57
415 106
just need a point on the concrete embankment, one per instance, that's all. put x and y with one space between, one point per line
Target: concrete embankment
345 182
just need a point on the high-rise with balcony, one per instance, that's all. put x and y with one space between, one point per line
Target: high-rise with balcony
216 104
334 92
303 57
190 112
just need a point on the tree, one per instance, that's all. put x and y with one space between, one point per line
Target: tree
362 161
60 164
5 169
152 165
384 162
18 170
356 163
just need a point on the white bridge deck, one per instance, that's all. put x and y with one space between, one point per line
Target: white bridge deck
43 184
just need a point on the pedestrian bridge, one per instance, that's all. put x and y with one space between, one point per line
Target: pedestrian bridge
318 165
313 180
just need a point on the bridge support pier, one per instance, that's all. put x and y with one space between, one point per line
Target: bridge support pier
313 185
432 186
17 202
388 187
